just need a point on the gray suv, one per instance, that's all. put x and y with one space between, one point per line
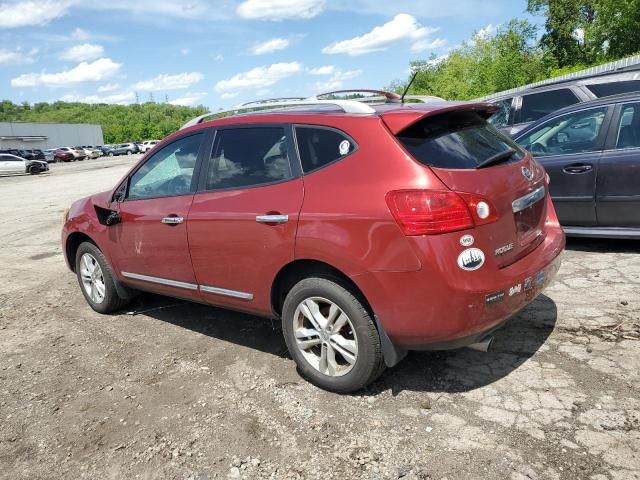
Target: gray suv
125 149
520 107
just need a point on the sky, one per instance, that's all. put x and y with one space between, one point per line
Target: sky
219 53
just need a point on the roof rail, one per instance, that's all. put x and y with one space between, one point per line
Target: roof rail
629 63
347 106
358 106
381 93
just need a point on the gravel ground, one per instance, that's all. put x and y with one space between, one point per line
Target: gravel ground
176 390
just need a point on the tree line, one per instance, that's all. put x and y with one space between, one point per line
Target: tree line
120 123
576 34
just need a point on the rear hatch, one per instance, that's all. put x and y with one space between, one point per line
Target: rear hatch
471 156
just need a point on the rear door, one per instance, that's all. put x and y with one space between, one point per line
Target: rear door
618 182
457 145
242 224
569 147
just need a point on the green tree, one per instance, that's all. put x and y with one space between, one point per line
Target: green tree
483 65
120 123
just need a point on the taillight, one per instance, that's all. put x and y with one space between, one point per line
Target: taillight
431 212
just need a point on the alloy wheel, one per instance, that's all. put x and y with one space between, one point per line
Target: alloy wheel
92 278
325 336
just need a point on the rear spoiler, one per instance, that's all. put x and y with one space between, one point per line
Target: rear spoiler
400 119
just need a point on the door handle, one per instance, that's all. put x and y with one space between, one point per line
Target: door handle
172 220
275 218
578 168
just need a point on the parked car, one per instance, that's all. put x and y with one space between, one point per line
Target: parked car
125 149
91 152
521 107
63 156
148 145
411 227
592 154
49 155
14 164
77 152
11 151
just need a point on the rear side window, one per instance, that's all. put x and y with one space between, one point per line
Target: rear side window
457 140
537 105
245 157
614 88
321 146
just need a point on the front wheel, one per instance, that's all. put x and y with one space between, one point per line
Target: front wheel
129 152
331 336
96 280
34 170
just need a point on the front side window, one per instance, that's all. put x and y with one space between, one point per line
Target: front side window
629 127
571 133
537 105
502 117
321 146
245 157
168 172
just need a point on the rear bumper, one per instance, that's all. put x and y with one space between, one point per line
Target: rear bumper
434 309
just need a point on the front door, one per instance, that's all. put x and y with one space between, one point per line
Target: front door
618 186
242 223
569 147
149 245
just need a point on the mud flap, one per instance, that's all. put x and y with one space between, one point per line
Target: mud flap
392 354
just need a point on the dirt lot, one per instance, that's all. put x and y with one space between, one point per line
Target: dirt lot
174 390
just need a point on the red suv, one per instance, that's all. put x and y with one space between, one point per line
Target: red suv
370 230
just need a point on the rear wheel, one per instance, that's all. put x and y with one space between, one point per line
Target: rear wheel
96 280
331 336
129 152
111 154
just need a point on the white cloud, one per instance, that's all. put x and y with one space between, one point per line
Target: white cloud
159 8
578 34
280 9
269 46
83 53
31 13
109 87
259 77
218 57
83 72
185 51
487 31
80 34
189 99
437 60
422 45
336 81
228 95
169 82
324 70
403 27
118 98
17 56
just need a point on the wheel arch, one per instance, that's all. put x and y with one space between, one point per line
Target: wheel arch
298 269
74 240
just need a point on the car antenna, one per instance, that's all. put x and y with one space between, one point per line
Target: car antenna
406 90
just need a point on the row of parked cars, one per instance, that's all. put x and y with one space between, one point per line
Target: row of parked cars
34 161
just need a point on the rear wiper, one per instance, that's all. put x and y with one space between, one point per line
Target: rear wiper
497 158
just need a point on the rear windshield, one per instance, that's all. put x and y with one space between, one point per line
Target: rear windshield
457 140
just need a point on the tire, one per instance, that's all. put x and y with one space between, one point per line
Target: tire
108 302
111 154
359 329
129 152
34 170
